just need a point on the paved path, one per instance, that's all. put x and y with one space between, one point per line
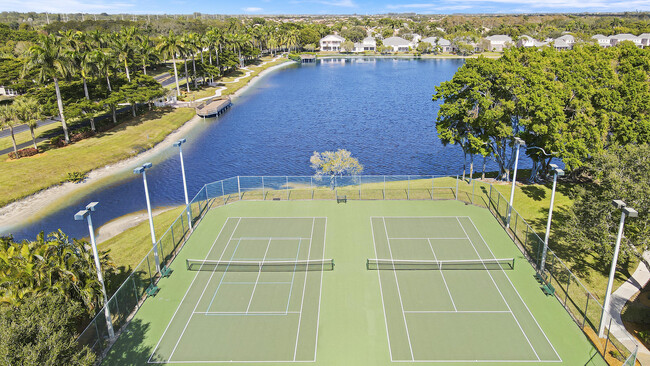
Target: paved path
619 298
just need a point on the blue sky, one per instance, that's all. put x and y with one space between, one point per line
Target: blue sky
322 6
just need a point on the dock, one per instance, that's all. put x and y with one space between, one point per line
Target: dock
307 58
214 107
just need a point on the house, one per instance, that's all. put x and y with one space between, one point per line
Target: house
567 40
645 39
526 41
8 92
561 45
398 44
331 42
602 41
497 43
368 44
618 38
445 45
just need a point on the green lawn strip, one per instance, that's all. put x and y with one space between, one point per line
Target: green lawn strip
351 327
26 176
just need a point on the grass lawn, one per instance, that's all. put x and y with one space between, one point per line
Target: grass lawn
26 176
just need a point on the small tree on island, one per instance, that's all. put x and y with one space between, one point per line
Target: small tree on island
335 164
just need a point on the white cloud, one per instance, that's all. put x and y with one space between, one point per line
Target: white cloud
67 6
523 6
252 9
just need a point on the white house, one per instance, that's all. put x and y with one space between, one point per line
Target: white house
497 43
368 44
618 38
331 42
526 41
561 45
645 39
444 44
398 44
602 41
567 40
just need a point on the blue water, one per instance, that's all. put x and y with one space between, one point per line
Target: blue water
379 109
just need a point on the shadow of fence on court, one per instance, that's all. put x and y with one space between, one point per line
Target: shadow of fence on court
583 307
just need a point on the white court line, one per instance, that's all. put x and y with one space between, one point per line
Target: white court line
320 293
500 293
293 275
223 276
252 283
427 238
202 293
259 273
246 313
188 289
408 335
374 244
517 292
271 237
443 276
480 361
454 312
304 286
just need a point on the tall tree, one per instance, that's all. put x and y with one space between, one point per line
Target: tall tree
30 112
50 59
169 47
8 118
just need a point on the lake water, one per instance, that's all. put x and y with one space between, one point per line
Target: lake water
379 109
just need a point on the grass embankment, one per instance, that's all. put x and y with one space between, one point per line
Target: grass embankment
531 201
227 80
23 177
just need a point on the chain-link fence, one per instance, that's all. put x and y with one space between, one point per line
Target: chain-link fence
583 307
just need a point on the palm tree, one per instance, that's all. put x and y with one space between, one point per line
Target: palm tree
169 47
80 56
29 111
192 44
49 56
237 42
147 52
8 119
103 62
123 50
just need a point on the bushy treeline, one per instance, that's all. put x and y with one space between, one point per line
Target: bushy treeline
48 291
568 105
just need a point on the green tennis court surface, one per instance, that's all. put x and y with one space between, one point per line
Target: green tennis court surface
411 281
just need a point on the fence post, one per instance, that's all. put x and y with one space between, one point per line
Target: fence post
490 199
433 179
311 185
135 290
360 177
568 283
408 187
609 331
457 187
223 192
287 185
473 187
263 194
384 191
584 317
238 187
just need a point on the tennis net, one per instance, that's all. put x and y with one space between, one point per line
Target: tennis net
459 264
260 266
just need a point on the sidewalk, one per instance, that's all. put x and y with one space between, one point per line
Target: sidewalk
619 298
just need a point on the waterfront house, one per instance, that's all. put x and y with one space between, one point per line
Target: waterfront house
618 38
496 43
331 42
398 44
566 42
445 45
602 41
645 39
368 44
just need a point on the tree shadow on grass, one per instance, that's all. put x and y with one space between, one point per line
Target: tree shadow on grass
129 348
535 192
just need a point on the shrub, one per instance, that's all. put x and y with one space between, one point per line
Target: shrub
30 151
57 141
76 177
81 134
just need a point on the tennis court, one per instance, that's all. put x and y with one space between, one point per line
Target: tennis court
447 298
255 296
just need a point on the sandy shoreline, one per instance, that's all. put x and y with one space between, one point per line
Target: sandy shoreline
14 213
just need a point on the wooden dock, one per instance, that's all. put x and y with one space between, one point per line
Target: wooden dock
214 107
307 58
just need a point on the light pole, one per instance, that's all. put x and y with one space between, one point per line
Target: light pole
518 142
142 170
79 216
558 172
179 144
626 211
